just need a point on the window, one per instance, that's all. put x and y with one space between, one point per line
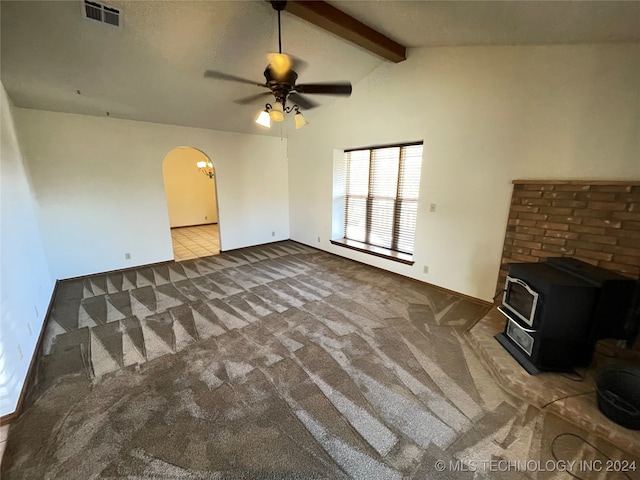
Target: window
381 196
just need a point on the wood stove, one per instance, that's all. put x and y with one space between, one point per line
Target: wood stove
557 310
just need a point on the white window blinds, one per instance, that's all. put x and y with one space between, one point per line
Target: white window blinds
381 201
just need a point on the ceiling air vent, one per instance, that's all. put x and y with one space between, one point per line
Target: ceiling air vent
101 13
111 16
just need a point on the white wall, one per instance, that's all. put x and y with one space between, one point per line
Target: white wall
99 185
25 282
191 196
487 115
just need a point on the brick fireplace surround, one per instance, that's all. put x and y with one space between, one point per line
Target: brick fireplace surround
597 222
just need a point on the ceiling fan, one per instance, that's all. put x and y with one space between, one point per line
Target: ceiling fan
281 81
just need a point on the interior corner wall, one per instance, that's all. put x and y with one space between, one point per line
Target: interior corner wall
26 284
487 115
99 185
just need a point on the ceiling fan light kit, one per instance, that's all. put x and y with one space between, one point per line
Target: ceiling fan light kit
281 81
264 119
276 113
300 120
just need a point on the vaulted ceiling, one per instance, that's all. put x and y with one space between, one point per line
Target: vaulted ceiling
151 69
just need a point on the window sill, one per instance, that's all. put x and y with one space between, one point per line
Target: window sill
373 250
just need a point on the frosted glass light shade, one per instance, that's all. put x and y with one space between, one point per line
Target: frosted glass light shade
300 120
264 119
277 112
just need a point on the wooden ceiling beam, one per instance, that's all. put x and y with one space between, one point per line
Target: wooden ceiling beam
325 16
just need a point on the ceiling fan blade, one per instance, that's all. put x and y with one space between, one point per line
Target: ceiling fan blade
303 102
325 88
298 64
250 98
233 78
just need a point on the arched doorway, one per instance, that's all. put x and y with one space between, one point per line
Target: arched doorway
192 203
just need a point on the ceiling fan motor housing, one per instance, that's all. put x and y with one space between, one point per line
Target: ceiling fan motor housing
279 4
281 87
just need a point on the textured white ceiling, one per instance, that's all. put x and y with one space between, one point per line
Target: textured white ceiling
152 68
516 22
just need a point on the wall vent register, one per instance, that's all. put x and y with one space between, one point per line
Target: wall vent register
101 13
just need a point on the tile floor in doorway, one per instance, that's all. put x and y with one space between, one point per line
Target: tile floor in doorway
196 241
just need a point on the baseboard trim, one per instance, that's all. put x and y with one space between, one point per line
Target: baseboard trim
117 270
195 225
437 287
144 265
273 242
11 417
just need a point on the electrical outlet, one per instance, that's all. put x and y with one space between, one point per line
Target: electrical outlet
425 269
273 234
127 256
318 239
206 217
432 207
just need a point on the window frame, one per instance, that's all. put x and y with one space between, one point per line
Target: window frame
392 253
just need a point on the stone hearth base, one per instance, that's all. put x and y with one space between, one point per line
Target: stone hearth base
571 397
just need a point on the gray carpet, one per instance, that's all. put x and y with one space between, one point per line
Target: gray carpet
273 362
